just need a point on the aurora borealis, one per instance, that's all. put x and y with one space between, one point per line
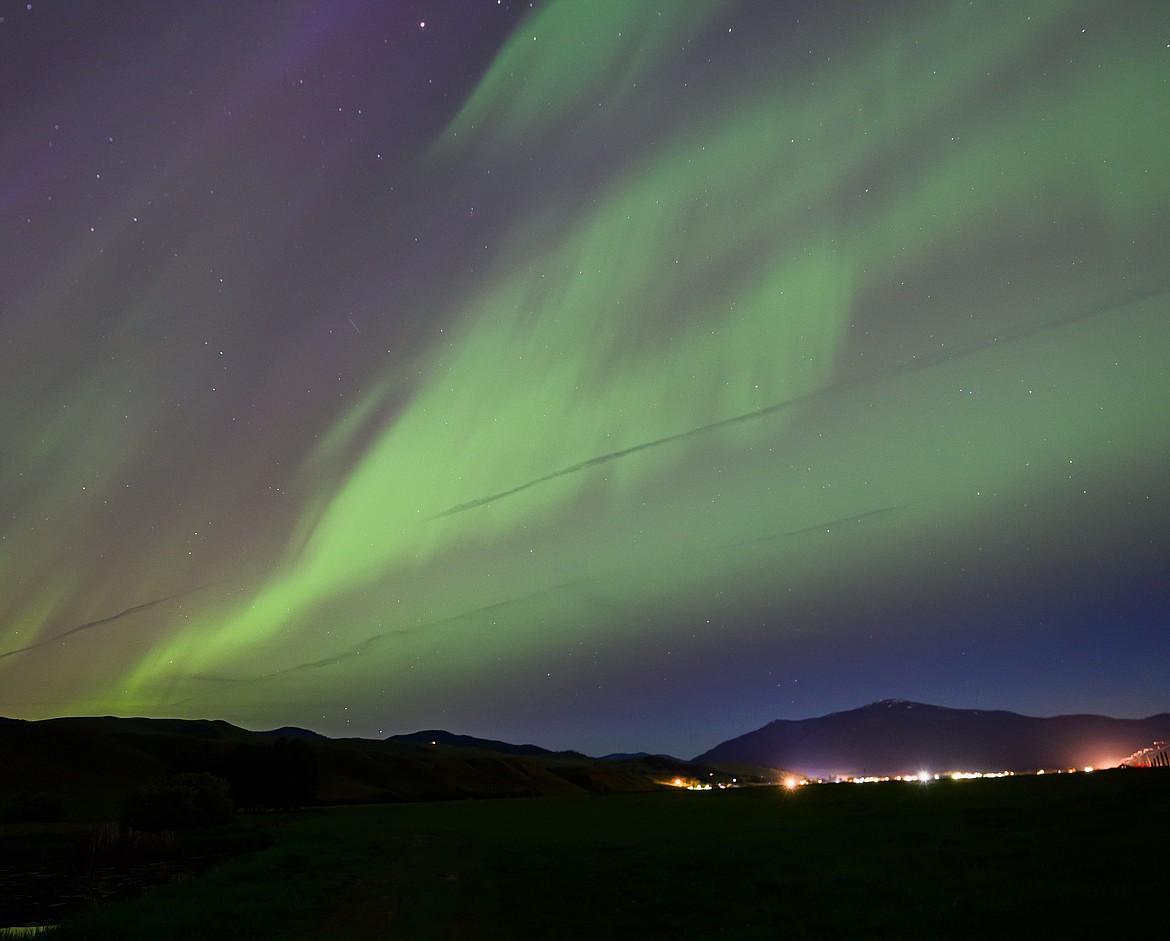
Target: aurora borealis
615 375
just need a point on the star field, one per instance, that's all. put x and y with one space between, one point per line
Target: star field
614 375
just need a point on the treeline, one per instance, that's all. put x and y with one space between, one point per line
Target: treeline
206 786
278 776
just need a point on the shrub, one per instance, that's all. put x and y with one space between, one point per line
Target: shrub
34 808
181 802
281 776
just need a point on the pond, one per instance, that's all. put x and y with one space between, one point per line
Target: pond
46 879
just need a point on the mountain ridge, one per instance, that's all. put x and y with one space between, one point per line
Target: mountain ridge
897 736
443 737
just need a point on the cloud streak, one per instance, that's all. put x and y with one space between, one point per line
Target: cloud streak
914 364
367 645
109 619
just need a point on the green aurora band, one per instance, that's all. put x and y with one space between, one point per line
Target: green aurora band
657 400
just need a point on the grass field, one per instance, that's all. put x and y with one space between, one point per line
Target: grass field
1077 854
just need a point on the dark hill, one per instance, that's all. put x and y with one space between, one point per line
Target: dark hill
292 731
622 756
208 729
898 737
89 765
443 737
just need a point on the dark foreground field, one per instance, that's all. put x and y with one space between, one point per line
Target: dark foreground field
1077 854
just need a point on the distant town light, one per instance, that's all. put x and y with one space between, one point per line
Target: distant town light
925 776
791 783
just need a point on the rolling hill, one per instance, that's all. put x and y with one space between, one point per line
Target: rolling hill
90 764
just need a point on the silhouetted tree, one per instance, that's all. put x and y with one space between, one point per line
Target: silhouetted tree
182 801
281 776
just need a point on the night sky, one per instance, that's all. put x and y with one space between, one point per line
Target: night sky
606 374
